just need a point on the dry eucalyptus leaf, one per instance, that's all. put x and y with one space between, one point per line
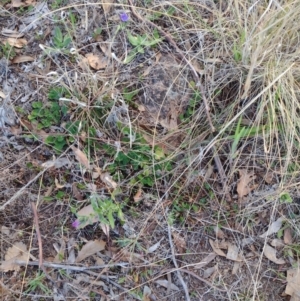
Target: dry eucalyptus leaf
57 185
107 5
2 95
81 157
277 243
138 196
22 59
219 233
274 228
236 267
89 213
293 283
97 62
287 236
17 252
210 257
233 253
146 293
58 163
216 249
5 230
11 33
90 248
246 178
208 272
107 179
22 3
18 43
165 284
179 242
270 253
154 247
105 229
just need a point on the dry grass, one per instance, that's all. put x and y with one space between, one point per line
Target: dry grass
246 54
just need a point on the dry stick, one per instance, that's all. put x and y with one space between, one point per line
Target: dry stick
169 38
70 267
198 277
182 56
39 237
185 288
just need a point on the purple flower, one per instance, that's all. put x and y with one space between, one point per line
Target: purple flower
124 17
76 224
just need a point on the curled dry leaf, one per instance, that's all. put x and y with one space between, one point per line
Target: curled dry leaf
287 236
277 243
11 33
90 248
81 157
154 247
270 253
2 95
216 248
22 3
18 43
22 59
107 179
293 284
146 293
246 178
138 196
233 253
179 242
208 272
210 257
274 228
219 233
107 6
97 62
89 216
17 252
165 284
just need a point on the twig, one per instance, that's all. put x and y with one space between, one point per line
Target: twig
185 288
38 233
169 38
197 277
20 192
39 237
70 267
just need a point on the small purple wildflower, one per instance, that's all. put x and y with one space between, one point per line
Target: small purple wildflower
124 17
76 224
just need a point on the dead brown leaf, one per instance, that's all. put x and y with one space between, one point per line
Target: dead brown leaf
107 6
97 62
270 253
17 252
208 272
246 178
107 180
76 193
90 248
210 257
89 214
179 243
11 33
233 253
2 95
274 227
21 3
22 59
81 157
18 43
293 284
138 196
216 248
287 236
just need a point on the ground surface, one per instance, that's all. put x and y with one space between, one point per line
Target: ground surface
136 160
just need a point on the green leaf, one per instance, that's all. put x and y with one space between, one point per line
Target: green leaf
134 41
58 37
131 56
